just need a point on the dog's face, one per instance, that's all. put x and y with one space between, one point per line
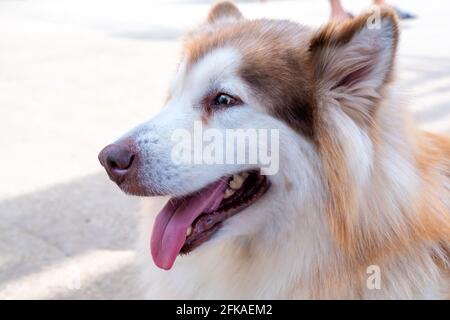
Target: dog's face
269 76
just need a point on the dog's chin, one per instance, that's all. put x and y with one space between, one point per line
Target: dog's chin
134 187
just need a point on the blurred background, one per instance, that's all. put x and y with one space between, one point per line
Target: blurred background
74 75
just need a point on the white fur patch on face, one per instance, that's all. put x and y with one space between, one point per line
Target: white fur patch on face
176 82
215 71
216 68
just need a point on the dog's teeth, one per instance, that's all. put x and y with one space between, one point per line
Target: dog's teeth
189 231
237 182
228 193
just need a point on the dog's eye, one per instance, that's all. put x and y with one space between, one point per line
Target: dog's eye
224 99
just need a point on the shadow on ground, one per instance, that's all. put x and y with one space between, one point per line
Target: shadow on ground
71 220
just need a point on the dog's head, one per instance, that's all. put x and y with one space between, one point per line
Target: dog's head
307 98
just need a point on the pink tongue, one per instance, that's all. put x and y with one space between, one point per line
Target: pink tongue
171 224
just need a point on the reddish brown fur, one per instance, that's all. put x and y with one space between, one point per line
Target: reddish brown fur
223 9
342 203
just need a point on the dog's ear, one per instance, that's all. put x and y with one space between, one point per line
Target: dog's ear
352 61
224 10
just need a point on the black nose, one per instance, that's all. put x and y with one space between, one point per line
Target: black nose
117 159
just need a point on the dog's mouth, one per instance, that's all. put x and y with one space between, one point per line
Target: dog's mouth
185 223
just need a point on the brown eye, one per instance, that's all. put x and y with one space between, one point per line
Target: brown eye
224 99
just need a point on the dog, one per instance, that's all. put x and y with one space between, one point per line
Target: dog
359 206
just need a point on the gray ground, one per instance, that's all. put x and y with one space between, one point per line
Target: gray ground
76 74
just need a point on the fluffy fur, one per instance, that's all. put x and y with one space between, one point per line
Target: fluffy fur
358 184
